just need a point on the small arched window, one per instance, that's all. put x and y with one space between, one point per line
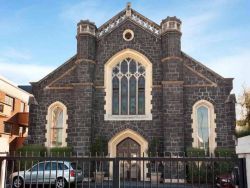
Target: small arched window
204 126
56 125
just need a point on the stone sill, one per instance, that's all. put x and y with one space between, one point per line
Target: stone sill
147 117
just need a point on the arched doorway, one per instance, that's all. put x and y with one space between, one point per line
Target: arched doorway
129 169
119 138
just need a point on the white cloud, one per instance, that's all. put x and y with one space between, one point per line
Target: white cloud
23 73
88 9
196 24
12 53
236 66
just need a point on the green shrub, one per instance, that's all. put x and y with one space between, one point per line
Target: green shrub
153 149
198 171
224 152
60 151
32 150
224 167
99 147
195 152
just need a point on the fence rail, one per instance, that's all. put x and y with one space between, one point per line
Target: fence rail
107 172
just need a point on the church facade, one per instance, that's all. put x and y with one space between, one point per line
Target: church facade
131 83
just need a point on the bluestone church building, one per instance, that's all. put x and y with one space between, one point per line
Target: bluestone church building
131 83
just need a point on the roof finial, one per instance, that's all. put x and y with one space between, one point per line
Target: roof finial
128 6
128 9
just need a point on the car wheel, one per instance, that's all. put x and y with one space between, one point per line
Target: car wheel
60 183
17 182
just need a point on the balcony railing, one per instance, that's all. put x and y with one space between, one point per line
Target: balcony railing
17 124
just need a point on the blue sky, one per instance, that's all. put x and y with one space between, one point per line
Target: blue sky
38 36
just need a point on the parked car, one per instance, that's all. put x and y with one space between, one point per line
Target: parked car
228 180
59 173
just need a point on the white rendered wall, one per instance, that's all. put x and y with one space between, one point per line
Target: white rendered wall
11 89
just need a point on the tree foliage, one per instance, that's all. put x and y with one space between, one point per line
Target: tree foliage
244 102
244 123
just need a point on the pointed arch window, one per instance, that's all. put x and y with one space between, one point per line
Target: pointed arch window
56 125
128 88
204 126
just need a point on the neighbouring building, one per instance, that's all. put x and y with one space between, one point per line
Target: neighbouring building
14 115
131 83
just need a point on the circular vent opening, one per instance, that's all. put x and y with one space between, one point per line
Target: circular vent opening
128 35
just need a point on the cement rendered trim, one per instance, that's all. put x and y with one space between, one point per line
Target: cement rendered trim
211 125
127 53
48 124
128 133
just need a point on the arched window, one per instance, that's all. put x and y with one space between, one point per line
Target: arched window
56 125
128 83
204 126
128 86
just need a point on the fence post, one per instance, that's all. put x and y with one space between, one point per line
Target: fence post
242 173
3 169
116 173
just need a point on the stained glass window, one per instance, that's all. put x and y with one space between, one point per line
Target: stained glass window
57 126
115 106
203 127
128 88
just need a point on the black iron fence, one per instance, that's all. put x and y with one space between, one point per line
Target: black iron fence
78 171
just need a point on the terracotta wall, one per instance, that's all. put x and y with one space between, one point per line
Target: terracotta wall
17 106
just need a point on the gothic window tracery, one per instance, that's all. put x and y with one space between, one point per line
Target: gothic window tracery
128 88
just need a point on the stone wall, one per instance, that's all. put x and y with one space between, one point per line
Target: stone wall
178 82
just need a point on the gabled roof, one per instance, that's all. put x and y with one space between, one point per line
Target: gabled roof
59 70
134 16
204 71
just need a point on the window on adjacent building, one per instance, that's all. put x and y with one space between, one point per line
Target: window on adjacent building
56 125
10 101
1 107
204 126
22 107
128 88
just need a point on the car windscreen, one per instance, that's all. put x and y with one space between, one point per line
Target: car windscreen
76 166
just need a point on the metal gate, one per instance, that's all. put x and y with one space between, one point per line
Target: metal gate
80 171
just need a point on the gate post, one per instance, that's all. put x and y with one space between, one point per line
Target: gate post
243 152
116 173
